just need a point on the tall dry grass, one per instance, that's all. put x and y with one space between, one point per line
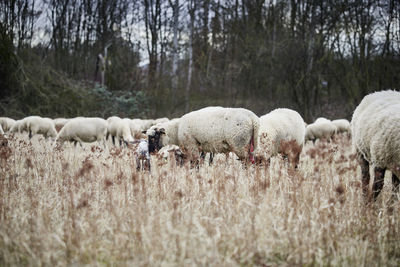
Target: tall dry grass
90 206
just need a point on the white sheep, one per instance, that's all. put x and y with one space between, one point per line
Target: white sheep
321 119
120 129
142 155
322 129
160 120
18 127
281 131
6 123
342 125
80 130
38 125
375 129
136 128
59 123
219 130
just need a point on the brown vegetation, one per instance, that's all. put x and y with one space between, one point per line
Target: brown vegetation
90 206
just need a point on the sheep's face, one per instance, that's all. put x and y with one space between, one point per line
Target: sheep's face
155 138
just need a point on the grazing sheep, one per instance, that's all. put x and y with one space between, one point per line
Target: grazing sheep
120 129
18 127
160 120
6 123
166 152
281 131
342 125
80 130
219 130
320 130
59 123
163 134
136 128
321 119
38 125
375 129
143 155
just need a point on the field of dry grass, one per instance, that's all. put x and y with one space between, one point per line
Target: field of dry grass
90 206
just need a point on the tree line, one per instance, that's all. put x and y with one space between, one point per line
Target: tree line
168 57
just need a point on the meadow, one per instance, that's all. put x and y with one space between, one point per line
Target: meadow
79 206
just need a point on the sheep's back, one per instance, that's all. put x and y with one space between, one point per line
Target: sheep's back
369 117
215 127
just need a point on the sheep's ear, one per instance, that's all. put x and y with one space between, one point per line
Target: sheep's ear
162 131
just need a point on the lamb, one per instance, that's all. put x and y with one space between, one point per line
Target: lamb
281 131
322 129
143 155
80 130
6 123
163 134
38 125
166 151
219 130
59 123
120 129
375 128
342 125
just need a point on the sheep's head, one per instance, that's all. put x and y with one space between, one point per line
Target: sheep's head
155 139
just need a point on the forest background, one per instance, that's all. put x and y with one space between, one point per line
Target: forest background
167 57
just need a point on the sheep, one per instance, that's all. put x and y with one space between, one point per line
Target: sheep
342 125
38 125
320 130
18 127
6 123
166 151
321 119
375 129
219 130
136 128
163 134
59 123
281 131
120 129
142 155
80 130
113 118
160 120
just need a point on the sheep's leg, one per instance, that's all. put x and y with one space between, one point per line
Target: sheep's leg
296 160
120 142
365 177
30 133
211 159
113 139
147 164
137 164
378 181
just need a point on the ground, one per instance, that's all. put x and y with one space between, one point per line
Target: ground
73 205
